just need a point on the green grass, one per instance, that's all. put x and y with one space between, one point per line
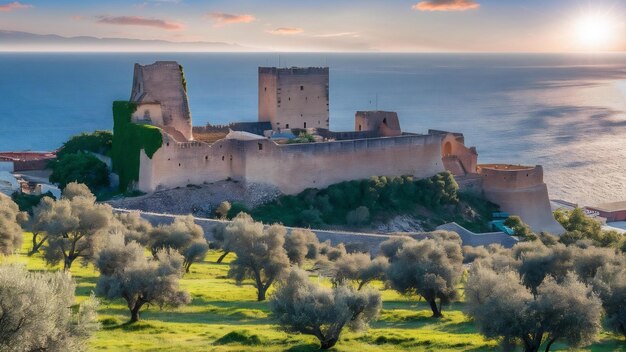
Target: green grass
224 316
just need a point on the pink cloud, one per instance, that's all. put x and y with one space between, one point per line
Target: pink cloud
141 21
286 31
446 5
16 5
222 19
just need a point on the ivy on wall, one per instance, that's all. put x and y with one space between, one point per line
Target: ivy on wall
128 141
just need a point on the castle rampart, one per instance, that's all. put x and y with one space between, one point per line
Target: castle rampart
520 190
291 167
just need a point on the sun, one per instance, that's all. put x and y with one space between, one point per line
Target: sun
595 31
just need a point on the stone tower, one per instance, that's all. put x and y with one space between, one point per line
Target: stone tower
163 84
294 97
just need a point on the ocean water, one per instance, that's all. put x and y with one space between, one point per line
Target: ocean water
565 112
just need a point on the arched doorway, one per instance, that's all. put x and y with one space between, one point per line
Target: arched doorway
447 149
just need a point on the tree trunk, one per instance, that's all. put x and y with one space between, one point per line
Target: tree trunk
67 264
261 293
219 260
134 313
435 309
328 343
36 244
550 344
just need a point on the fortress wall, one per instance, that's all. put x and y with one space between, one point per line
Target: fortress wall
455 146
531 204
179 164
503 177
292 168
520 190
267 96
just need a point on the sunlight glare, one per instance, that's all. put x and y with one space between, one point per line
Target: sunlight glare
595 31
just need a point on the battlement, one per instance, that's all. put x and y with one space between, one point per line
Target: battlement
294 70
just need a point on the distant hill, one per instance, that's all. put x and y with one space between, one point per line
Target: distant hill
24 41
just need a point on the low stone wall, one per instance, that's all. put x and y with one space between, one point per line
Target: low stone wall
365 240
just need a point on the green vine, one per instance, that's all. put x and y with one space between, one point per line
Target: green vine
128 141
182 73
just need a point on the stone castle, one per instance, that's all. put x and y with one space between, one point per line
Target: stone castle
294 102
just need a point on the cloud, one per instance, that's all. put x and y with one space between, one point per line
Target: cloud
286 31
141 21
16 5
222 19
446 5
336 35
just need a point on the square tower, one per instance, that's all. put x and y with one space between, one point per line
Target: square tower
294 97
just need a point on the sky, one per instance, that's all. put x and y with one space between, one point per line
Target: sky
337 25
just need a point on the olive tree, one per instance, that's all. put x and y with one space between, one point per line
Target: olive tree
304 307
125 272
430 268
470 253
39 223
10 229
504 309
77 228
134 227
610 284
184 236
392 246
37 312
301 244
359 268
260 252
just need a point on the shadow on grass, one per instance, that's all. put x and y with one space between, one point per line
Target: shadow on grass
306 348
222 312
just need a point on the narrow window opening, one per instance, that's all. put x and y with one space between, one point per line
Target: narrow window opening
260 146
222 158
360 128
305 125
287 126
301 87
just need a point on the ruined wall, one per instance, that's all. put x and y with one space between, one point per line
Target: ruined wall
148 113
459 159
162 82
294 97
385 122
520 190
292 168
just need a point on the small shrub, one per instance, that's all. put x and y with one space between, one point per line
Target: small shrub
242 337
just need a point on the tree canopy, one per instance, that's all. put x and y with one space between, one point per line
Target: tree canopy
302 306
503 308
260 252
10 225
125 272
37 314
430 268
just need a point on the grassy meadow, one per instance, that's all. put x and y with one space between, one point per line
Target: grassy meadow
224 316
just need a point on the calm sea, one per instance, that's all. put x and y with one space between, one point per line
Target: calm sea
566 112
